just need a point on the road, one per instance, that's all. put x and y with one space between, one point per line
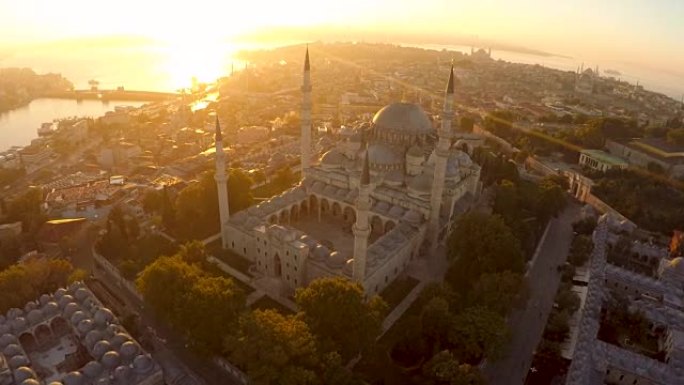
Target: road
527 324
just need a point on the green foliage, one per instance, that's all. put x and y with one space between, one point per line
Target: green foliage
274 349
196 207
202 306
193 252
21 85
481 244
557 327
444 369
25 282
653 203
26 208
676 136
498 291
495 168
328 301
467 124
478 332
435 321
580 249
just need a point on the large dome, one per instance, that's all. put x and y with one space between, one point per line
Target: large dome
402 118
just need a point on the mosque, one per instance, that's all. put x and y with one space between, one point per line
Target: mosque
386 193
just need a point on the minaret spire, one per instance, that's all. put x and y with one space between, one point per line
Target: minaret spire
442 153
361 228
305 116
221 183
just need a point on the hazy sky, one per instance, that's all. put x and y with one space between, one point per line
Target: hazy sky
649 32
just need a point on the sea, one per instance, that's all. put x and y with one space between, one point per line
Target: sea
157 67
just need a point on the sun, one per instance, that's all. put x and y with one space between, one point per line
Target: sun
200 59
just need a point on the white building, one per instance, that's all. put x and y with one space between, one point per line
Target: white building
601 161
365 208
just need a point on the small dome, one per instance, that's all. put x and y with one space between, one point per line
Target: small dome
413 217
51 308
23 373
44 299
70 309
416 152
78 317
129 350
61 292
100 348
676 265
336 260
333 158
65 300
382 207
19 324
402 118
102 381
92 369
122 374
103 316
7 339
119 339
4 329
143 364
321 252
92 338
421 183
396 211
73 378
348 268
19 360
35 316
394 177
111 360
85 326
13 313
30 381
30 306
81 294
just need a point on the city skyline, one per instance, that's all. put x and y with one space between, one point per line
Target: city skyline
629 32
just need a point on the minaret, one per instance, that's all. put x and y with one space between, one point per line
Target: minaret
362 228
306 115
221 183
441 155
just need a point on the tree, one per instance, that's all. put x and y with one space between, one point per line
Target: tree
552 198
567 300
435 321
498 291
163 284
284 178
557 327
239 190
481 244
444 369
24 282
478 332
338 313
274 349
193 252
584 226
209 309
27 209
467 124
152 202
676 136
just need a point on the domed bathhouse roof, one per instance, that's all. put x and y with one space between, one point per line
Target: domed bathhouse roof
402 118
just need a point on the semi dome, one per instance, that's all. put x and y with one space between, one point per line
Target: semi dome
380 154
333 158
24 373
402 118
676 265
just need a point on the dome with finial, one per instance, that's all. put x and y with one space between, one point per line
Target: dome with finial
402 118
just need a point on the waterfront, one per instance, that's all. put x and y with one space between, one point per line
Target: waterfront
18 127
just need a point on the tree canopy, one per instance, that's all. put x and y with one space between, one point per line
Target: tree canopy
338 313
481 244
25 282
204 307
274 349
